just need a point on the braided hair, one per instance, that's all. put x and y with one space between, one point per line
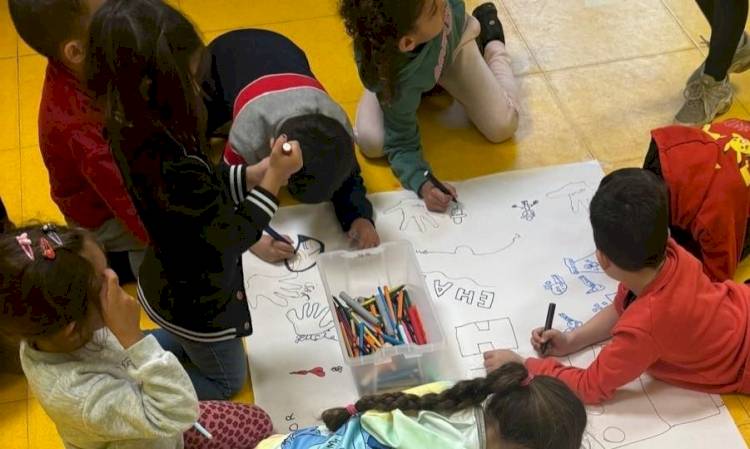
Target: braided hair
376 26
542 413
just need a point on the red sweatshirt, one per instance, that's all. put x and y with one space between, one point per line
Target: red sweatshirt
683 329
708 174
86 184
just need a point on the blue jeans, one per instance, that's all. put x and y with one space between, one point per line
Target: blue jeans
218 370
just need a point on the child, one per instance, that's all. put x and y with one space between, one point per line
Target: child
199 221
86 184
403 49
708 179
101 381
668 318
508 409
262 82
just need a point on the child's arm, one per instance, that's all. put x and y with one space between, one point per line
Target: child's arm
350 201
595 330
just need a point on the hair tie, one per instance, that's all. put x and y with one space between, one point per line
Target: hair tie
526 382
25 243
352 409
47 251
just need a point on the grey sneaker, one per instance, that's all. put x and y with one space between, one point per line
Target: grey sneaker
740 61
705 98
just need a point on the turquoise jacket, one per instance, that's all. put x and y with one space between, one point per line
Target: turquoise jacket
419 74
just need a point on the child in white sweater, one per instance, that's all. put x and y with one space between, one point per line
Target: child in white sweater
103 383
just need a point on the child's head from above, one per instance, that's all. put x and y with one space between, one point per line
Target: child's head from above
51 303
520 412
630 218
328 154
384 29
143 66
55 28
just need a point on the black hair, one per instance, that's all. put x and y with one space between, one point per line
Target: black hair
139 66
538 413
630 218
40 297
327 153
45 24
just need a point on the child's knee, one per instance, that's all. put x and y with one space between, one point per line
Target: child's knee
503 128
370 141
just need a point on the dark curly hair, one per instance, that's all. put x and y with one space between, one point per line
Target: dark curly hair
541 414
376 27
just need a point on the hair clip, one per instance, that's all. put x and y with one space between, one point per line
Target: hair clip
51 231
25 243
47 251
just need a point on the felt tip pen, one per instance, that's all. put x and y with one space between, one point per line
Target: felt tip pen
278 237
548 324
202 430
361 311
286 148
440 186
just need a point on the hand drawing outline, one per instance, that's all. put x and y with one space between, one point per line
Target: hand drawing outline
311 322
413 212
578 194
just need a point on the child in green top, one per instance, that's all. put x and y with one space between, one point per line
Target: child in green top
404 48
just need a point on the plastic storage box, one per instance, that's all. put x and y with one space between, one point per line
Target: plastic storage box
359 273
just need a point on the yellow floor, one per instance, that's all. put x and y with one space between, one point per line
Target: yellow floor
596 75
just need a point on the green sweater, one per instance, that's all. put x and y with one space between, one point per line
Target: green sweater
403 144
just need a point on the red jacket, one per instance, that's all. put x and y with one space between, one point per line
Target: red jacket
85 182
708 174
683 329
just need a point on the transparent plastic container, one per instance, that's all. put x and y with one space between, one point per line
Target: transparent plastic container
393 368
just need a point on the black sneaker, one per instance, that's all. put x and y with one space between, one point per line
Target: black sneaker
492 29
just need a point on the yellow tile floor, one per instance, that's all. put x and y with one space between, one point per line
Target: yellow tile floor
596 75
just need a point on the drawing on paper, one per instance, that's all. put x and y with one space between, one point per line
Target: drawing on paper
527 209
556 285
311 322
570 323
469 251
414 216
578 194
318 371
478 337
338 369
591 286
457 213
465 290
585 265
288 288
599 306
306 257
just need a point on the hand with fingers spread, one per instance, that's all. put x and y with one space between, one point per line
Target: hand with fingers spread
435 199
120 311
558 343
363 234
272 251
312 322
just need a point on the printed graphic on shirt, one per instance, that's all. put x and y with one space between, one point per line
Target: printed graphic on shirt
737 144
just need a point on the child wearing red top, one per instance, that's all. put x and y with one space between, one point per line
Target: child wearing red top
85 183
707 173
669 319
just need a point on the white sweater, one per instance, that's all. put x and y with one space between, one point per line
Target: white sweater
105 397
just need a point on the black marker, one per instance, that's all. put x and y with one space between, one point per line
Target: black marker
440 186
548 325
278 237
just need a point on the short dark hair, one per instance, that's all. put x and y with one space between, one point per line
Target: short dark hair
630 218
327 154
45 24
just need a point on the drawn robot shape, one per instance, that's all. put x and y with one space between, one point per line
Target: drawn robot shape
556 285
308 251
457 213
527 209
585 265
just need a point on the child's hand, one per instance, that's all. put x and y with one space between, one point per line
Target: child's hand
363 234
121 313
282 164
499 357
558 343
434 199
271 250
254 174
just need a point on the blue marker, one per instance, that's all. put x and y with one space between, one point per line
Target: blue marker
278 237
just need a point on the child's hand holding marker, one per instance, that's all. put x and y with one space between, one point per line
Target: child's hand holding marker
557 343
272 250
437 195
285 160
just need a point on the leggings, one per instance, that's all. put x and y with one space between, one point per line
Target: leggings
727 19
232 426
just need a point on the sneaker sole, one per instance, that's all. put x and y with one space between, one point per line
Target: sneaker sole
721 111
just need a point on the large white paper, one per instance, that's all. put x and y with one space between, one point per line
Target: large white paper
518 241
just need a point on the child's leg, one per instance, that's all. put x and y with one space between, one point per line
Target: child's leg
368 128
727 19
484 85
232 426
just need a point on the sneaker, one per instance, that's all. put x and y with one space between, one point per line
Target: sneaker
740 60
705 99
492 29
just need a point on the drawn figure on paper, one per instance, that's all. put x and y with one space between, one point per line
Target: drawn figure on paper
556 285
578 195
465 290
601 305
306 257
311 322
317 371
338 369
570 323
478 337
585 265
527 209
591 286
470 251
414 216
289 288
457 213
